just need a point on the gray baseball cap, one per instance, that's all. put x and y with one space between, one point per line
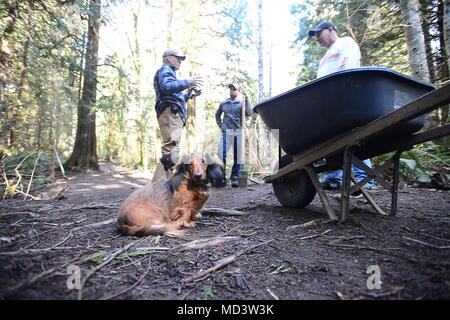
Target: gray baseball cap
173 52
235 86
322 26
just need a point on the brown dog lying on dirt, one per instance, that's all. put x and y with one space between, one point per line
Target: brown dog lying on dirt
165 206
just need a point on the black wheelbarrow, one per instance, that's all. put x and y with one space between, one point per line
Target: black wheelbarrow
341 119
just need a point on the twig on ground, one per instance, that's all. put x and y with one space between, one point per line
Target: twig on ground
315 235
223 262
32 175
272 294
96 224
313 223
203 243
108 260
132 286
340 239
424 234
220 211
427 244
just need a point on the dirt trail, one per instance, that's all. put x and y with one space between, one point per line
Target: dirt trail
45 243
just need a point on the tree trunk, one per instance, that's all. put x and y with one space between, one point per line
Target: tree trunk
140 116
447 31
6 52
426 27
17 106
443 73
84 155
415 39
260 52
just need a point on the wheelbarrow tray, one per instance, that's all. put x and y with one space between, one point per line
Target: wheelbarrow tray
332 105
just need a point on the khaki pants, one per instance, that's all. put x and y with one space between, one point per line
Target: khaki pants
171 128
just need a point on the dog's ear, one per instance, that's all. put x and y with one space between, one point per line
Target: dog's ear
182 164
215 171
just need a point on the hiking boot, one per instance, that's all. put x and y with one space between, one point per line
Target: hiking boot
327 185
221 184
234 183
356 194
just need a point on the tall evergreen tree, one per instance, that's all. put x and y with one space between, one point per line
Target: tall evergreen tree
84 155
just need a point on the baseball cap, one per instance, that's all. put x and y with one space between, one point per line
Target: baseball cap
320 27
173 52
234 85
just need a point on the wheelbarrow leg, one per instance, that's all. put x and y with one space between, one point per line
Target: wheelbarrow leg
369 198
323 197
346 178
395 183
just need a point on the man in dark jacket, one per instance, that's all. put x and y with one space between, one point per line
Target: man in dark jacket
231 125
171 110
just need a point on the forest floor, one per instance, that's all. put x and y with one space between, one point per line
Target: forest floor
46 244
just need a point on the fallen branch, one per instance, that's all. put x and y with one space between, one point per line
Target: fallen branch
340 239
256 181
96 224
203 243
309 224
224 212
315 235
108 260
427 244
32 175
223 262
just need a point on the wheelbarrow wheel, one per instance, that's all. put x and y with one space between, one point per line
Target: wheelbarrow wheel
295 189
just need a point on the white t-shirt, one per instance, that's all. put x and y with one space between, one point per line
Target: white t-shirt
343 54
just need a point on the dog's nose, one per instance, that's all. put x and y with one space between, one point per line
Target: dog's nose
198 175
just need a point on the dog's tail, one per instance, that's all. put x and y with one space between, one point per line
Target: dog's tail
150 230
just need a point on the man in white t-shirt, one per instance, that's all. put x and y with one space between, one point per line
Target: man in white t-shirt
342 53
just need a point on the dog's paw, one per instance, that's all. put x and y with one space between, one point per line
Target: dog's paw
189 224
197 216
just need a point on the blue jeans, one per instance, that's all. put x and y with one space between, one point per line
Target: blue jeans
335 177
231 138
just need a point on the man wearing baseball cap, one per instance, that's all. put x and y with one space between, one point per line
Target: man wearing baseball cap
229 118
171 109
342 53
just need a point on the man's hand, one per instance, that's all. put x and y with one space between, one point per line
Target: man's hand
195 82
193 92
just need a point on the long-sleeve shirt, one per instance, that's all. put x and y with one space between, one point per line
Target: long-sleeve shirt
169 92
343 54
232 113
